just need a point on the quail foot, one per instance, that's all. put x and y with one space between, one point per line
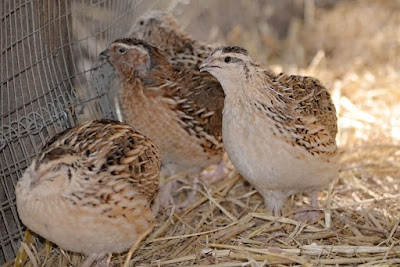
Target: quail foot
278 130
89 189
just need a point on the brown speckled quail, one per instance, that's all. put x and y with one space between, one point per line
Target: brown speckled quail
89 189
182 51
180 110
279 131
163 31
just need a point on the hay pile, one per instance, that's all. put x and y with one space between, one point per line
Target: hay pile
355 49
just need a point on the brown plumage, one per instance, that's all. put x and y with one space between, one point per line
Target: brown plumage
279 130
179 110
184 55
163 31
89 190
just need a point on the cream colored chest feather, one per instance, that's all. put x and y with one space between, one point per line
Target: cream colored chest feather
267 160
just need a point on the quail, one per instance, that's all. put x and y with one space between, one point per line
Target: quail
89 189
180 110
279 130
163 31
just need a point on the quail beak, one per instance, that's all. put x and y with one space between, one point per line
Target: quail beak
104 54
206 65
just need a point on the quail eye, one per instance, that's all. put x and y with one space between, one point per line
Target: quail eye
228 59
121 50
141 22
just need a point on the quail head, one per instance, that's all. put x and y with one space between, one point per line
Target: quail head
279 131
180 110
89 189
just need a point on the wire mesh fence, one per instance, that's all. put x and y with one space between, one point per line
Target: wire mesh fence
49 82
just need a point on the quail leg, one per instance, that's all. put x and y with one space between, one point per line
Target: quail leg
274 201
191 198
312 213
215 174
165 194
91 259
167 191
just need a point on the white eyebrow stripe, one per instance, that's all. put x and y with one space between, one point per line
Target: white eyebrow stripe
125 46
141 49
240 56
233 55
137 47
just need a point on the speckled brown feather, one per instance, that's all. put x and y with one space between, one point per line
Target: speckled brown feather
194 94
110 149
163 31
302 111
156 95
89 190
312 99
185 54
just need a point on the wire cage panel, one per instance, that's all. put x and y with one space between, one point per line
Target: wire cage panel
50 80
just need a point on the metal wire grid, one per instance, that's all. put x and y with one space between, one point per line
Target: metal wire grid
48 83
